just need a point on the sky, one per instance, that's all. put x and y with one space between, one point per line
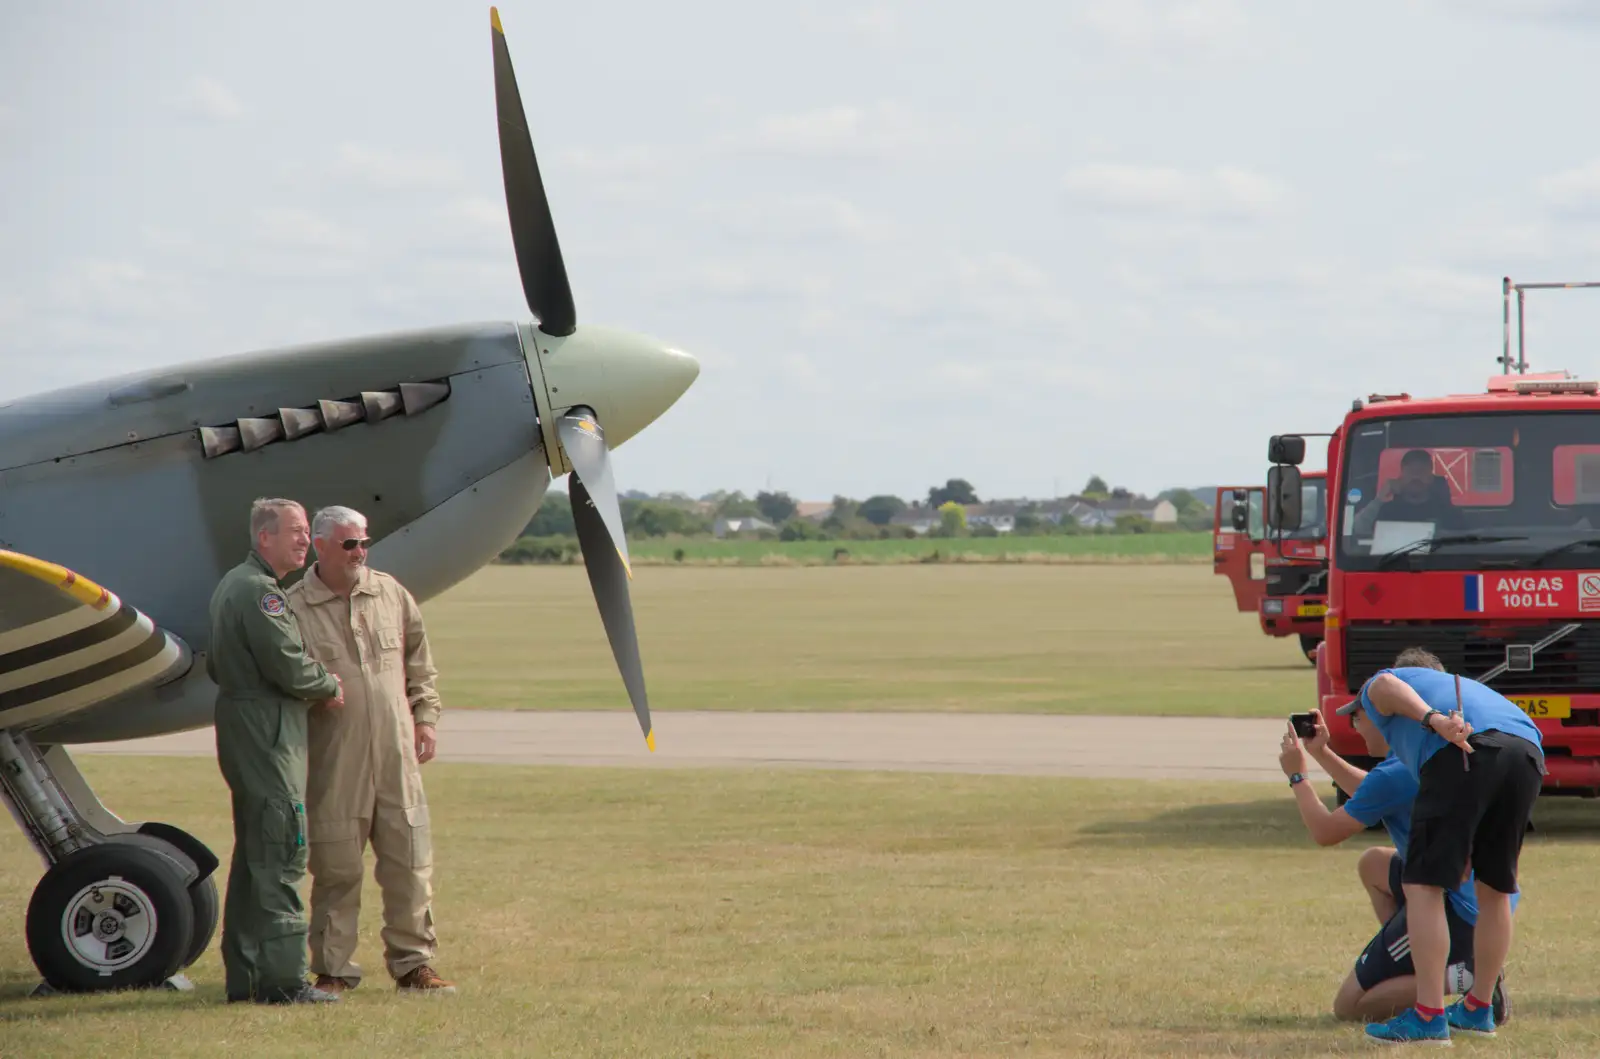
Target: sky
906 241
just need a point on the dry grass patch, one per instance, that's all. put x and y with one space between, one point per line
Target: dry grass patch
1045 639
638 913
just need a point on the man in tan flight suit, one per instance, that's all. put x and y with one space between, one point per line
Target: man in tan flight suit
365 780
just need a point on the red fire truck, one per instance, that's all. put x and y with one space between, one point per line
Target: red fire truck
1282 576
1238 543
1468 525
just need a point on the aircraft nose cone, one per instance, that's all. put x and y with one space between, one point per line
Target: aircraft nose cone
639 378
645 381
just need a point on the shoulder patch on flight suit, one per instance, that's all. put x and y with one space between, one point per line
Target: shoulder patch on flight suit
272 604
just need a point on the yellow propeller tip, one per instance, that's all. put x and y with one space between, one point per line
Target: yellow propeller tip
494 20
650 740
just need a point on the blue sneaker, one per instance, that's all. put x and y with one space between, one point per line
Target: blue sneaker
1408 1027
1465 1019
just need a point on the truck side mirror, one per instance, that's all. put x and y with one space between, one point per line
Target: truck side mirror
1287 449
1283 498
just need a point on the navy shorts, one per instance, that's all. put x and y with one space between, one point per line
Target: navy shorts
1388 954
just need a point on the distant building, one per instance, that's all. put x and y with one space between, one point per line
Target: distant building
722 527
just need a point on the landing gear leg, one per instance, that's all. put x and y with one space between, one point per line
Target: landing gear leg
121 906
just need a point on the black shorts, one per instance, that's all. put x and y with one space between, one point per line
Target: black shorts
1475 813
1388 954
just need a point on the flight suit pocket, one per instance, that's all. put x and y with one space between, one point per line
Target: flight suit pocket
421 829
390 645
282 833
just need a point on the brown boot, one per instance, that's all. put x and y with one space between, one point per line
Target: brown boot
329 984
423 980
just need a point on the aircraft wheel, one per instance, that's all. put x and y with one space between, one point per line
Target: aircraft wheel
110 916
192 857
207 913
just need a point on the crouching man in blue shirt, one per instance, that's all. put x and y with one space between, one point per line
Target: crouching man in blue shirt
1383 981
1479 773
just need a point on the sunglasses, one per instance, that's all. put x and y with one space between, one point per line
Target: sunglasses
350 544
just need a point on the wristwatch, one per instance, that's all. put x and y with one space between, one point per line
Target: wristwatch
1298 777
1427 717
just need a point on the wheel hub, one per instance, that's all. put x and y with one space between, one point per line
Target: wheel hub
109 925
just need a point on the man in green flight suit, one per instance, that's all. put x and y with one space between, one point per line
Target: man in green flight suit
266 683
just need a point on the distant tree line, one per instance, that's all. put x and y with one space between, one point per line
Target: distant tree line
679 515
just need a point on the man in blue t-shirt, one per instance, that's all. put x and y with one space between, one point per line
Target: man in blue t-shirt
1473 807
1383 981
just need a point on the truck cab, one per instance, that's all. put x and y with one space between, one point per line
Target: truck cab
1296 595
1468 525
1238 543
1281 577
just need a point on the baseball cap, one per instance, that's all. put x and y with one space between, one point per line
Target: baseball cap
1348 708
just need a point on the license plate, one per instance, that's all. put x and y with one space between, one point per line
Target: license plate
1313 610
1541 706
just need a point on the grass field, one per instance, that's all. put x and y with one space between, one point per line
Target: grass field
674 914
1144 548
1139 639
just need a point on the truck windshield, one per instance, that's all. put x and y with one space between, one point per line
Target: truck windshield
1514 487
1313 511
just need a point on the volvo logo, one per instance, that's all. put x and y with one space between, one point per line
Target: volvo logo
1519 656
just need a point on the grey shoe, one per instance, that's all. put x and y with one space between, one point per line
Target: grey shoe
301 994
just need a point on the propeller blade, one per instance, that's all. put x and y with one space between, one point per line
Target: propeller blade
608 577
533 230
585 443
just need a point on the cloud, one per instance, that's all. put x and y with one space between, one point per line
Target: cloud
8 115
1579 11
1480 241
208 98
877 24
303 230
985 301
1223 193
880 130
800 218
631 173
1444 289
99 290
746 282
385 170
801 371
1167 29
1573 190
297 244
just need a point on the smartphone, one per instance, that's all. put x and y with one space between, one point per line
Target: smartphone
1305 725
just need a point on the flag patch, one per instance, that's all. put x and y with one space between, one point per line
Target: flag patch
1472 593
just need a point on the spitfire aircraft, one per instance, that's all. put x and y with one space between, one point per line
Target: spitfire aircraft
122 503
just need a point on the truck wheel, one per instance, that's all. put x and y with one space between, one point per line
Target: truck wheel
1308 647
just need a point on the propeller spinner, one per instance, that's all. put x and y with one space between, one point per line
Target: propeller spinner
582 377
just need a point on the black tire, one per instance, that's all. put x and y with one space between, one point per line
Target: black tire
1308 647
1339 796
207 913
134 893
